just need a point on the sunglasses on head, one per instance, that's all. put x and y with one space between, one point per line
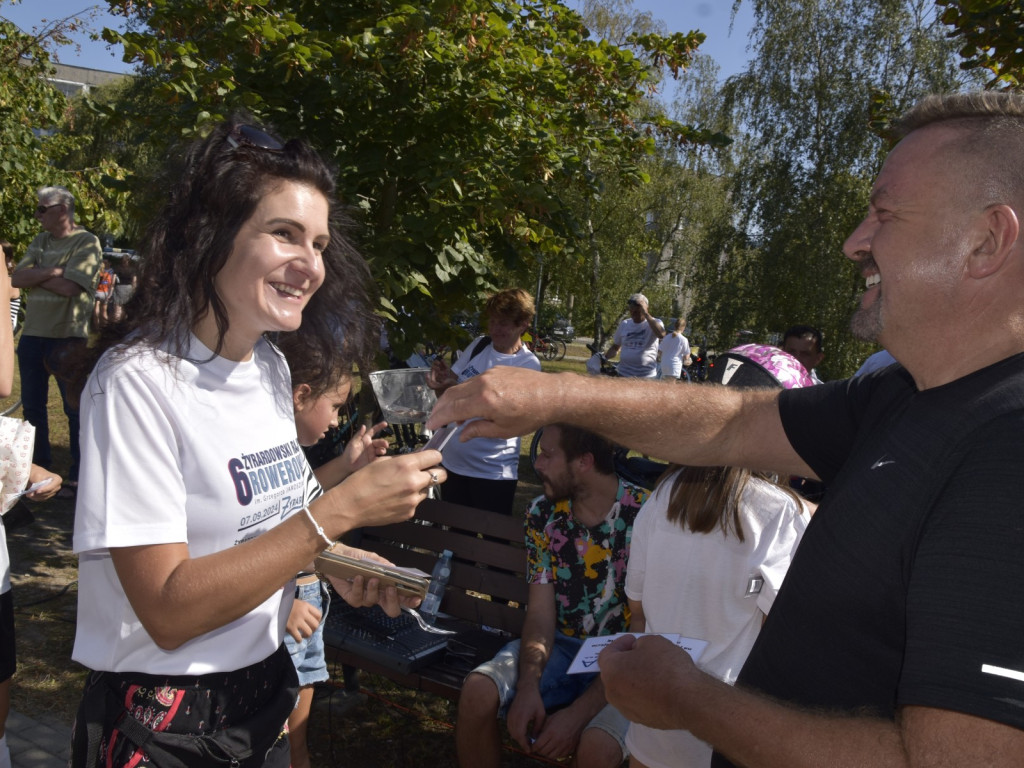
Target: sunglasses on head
44 208
251 136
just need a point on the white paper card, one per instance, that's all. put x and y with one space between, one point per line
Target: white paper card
586 658
34 487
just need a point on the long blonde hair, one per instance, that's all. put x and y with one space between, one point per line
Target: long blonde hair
707 498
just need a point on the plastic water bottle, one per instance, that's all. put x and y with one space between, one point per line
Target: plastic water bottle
438 581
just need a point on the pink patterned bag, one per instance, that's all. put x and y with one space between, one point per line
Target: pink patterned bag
17 438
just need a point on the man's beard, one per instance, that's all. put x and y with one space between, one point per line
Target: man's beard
866 323
563 490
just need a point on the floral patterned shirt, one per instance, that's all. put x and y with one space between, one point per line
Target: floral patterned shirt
586 565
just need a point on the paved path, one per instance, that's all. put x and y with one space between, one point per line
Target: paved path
37 745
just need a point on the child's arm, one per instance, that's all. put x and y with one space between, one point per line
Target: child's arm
302 620
360 451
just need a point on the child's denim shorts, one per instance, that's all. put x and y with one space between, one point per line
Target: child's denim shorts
308 655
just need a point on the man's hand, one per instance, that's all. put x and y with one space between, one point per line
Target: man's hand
560 735
526 716
646 678
509 401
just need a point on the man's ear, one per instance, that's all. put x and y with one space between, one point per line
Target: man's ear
586 461
300 396
999 237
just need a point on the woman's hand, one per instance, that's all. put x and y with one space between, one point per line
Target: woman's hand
38 474
361 593
369 592
359 554
386 491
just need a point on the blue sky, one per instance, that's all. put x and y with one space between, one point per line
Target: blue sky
709 16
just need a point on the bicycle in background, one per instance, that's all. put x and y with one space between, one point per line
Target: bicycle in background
599 364
545 347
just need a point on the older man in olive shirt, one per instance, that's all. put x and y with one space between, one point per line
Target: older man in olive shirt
61 268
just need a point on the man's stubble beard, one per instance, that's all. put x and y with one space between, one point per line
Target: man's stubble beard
565 490
866 323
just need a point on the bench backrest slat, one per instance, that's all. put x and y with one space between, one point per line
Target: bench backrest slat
489 559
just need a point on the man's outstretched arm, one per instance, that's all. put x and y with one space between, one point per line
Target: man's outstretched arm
698 424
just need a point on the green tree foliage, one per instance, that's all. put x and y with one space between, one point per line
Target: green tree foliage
452 123
807 158
991 34
115 126
34 150
690 216
633 237
640 238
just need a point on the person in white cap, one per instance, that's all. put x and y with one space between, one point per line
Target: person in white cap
637 336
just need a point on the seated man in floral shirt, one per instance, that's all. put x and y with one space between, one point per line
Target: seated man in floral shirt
577 541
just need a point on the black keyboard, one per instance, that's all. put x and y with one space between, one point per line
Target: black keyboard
397 643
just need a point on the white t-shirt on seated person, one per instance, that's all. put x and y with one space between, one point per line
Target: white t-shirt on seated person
709 586
202 452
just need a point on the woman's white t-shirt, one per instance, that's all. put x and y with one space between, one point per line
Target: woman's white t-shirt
483 457
201 451
711 587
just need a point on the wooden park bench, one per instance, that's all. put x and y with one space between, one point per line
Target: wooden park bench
485 600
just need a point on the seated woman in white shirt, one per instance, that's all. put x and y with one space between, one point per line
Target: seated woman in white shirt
710 549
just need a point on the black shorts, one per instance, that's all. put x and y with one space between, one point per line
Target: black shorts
7 660
135 720
494 495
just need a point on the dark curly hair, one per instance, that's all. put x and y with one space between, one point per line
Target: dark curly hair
308 365
216 187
